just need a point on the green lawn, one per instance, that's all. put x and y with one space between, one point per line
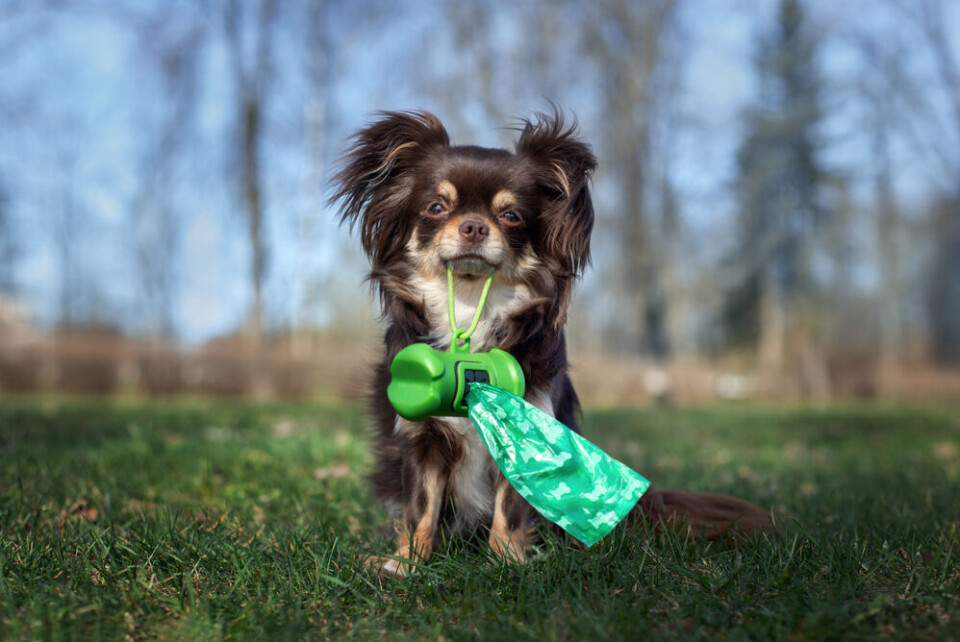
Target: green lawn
205 521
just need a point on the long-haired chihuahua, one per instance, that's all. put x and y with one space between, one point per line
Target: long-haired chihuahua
421 205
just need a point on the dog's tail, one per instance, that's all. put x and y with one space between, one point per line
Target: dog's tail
714 517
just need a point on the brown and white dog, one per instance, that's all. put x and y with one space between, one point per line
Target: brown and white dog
421 204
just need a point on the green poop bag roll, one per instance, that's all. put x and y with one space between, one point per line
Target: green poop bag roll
569 480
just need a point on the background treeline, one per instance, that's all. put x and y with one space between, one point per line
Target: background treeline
778 197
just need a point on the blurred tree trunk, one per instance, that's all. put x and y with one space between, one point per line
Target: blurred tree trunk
772 336
473 32
252 80
887 228
885 212
157 221
9 248
66 230
911 86
628 39
928 112
943 287
315 124
943 292
781 192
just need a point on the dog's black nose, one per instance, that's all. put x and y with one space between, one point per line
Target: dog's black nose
474 231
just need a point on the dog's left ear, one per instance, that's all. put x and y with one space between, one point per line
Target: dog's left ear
563 165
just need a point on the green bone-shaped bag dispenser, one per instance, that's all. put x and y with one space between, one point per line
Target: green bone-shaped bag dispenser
430 383
425 382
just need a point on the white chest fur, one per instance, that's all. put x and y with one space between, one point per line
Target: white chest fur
503 300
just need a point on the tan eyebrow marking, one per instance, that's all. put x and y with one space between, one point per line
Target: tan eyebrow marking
503 200
447 191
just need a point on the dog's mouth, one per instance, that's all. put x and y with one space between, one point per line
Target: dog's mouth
470 265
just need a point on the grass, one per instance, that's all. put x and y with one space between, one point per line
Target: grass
204 521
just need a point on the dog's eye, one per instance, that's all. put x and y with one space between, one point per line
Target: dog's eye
511 218
436 210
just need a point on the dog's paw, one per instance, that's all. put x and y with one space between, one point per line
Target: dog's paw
510 545
389 568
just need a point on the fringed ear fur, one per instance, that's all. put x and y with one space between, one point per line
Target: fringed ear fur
375 180
563 164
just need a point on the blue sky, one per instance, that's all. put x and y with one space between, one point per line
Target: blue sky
90 99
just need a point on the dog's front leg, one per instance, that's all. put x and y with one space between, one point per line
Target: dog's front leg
418 525
512 530
513 517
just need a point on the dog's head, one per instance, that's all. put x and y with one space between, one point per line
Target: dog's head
422 202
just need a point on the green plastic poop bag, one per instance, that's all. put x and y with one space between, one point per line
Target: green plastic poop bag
566 478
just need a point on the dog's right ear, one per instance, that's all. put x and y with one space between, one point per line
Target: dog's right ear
376 179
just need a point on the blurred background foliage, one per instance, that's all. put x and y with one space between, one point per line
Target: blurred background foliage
778 198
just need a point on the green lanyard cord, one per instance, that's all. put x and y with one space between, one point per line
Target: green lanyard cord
464 335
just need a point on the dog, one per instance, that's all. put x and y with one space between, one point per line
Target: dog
420 205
